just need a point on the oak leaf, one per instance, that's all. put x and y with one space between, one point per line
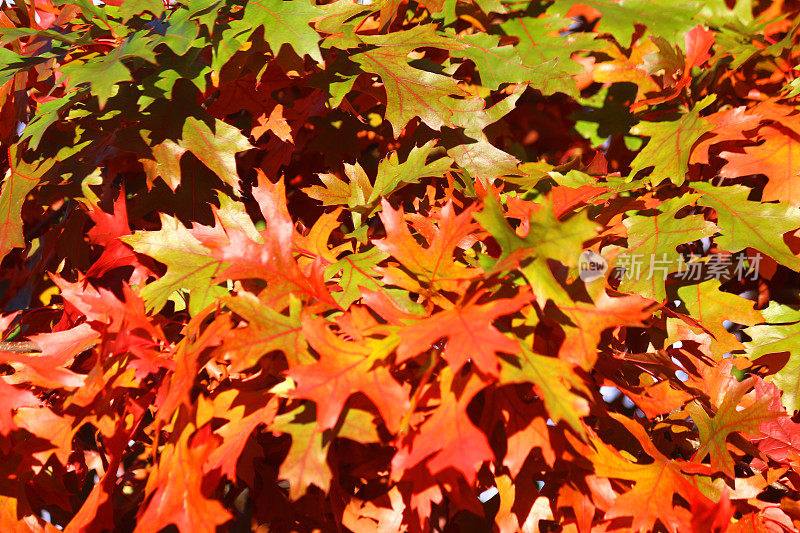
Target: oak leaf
266 330
176 487
589 320
747 224
284 23
469 332
345 368
652 247
432 268
728 419
447 438
554 381
306 463
670 145
650 498
711 307
412 92
776 157
20 179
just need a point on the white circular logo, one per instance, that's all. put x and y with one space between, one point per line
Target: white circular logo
592 266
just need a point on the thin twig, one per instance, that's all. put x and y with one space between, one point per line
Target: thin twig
20 347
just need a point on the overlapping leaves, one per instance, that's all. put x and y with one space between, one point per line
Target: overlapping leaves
290 264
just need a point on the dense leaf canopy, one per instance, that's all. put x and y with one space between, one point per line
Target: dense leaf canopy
389 265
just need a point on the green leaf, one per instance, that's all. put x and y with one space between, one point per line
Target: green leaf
499 65
471 149
340 20
130 9
47 114
358 193
554 380
337 79
105 72
12 63
20 179
667 59
165 162
307 461
770 339
284 23
670 144
746 224
652 241
358 272
711 307
548 239
8 35
224 45
189 266
267 330
189 66
792 88
358 425
665 18
180 32
392 174
412 92
542 43
215 148
353 193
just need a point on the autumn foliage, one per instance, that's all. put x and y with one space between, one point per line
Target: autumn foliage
438 265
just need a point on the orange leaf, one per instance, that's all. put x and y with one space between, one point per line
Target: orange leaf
276 123
345 368
778 157
469 332
176 485
448 439
432 266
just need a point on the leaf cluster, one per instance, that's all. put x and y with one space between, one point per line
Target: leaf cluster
297 265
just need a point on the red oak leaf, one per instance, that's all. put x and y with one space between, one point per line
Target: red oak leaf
98 509
650 498
448 439
276 123
729 418
106 232
729 125
243 418
711 517
274 258
590 320
345 368
778 157
433 266
12 398
176 488
778 437
48 369
469 332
